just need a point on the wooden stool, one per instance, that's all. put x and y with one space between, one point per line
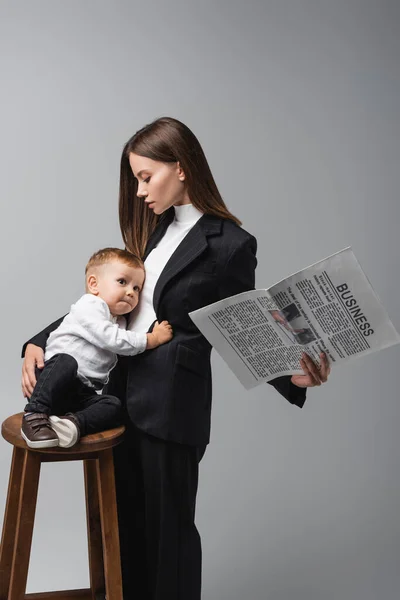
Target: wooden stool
101 513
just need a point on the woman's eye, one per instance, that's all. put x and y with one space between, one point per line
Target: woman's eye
146 180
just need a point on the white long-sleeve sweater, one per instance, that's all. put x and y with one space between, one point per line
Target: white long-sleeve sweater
186 215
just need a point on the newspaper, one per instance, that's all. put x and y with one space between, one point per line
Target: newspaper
328 307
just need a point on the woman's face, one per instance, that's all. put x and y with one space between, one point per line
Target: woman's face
159 184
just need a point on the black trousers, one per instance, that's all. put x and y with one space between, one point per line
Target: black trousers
58 390
156 484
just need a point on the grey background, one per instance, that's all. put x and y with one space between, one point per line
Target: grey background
296 104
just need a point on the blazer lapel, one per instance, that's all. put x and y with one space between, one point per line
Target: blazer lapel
159 231
192 245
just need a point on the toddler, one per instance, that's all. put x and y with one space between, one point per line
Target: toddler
67 402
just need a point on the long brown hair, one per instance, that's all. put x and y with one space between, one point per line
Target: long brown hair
165 140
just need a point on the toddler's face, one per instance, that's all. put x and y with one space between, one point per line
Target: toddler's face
119 286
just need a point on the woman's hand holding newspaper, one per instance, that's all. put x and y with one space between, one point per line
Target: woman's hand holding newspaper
313 374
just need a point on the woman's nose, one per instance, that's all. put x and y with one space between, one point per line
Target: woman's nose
141 193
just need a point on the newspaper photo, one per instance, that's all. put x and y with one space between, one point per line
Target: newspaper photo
328 307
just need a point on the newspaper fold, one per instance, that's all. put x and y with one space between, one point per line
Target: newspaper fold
328 307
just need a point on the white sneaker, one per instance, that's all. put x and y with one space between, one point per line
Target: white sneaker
67 430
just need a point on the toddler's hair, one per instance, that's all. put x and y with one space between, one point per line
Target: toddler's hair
106 255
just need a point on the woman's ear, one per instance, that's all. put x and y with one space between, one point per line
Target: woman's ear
91 284
181 174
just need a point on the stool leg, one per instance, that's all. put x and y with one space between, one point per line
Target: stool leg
10 521
25 521
96 565
109 525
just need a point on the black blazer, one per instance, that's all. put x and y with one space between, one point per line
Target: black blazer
167 391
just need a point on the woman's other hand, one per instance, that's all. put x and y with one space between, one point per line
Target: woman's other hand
313 374
34 357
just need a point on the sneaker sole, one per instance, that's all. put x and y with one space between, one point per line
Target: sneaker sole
66 431
40 444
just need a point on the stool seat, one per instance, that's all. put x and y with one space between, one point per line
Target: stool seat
96 453
95 442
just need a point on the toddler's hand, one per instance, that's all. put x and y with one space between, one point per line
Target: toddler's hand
162 332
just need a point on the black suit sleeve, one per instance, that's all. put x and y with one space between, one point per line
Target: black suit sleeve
40 339
238 273
239 276
294 394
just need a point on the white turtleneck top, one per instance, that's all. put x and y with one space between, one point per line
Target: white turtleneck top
186 215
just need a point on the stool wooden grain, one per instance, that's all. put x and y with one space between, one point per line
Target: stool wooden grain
101 511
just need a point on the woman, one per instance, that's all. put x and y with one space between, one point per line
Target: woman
195 253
